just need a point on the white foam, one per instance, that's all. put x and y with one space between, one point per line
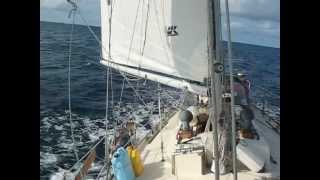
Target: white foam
61 118
60 175
47 158
59 128
66 145
93 137
46 124
93 129
57 176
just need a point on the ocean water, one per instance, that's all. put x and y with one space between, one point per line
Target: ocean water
88 92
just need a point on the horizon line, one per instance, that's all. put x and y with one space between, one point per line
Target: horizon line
97 26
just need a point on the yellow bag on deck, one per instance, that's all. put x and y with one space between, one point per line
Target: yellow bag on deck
136 162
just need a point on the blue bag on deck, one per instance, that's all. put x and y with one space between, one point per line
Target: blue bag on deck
121 165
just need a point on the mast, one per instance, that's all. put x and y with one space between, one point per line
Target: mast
222 109
213 115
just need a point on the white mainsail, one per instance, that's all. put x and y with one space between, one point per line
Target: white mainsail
140 44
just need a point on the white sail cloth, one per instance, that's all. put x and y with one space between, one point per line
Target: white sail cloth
139 39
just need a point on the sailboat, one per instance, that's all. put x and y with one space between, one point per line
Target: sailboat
177 43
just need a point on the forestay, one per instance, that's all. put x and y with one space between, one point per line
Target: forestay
161 40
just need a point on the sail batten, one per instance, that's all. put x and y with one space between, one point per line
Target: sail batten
168 37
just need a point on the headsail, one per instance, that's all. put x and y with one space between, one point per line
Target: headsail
164 41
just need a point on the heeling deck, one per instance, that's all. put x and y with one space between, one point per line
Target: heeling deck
155 169
273 139
151 155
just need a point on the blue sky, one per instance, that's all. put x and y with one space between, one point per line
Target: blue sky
252 21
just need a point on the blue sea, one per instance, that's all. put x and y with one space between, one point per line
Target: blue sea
88 91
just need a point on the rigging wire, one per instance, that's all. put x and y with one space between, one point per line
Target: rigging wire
159 29
107 122
73 13
146 28
88 26
85 155
134 30
112 99
102 47
120 100
108 67
93 147
122 74
101 171
160 120
163 16
136 92
69 78
107 153
125 78
92 32
141 28
97 39
107 106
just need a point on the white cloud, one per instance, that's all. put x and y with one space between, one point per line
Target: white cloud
52 3
254 9
58 10
59 5
235 24
265 33
252 21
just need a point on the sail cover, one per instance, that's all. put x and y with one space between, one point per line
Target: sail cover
161 40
